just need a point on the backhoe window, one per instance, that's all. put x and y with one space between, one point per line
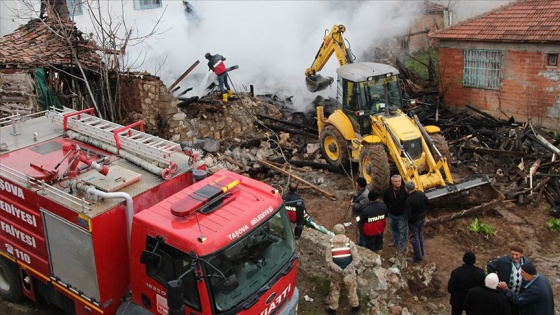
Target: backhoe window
249 263
375 96
174 263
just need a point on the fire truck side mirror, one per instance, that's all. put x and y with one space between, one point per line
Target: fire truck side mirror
150 259
175 297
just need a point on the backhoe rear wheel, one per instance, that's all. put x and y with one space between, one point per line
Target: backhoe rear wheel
10 288
334 147
441 145
374 167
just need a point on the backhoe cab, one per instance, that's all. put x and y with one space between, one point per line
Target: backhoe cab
368 126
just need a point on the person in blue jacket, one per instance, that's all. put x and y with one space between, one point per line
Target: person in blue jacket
536 297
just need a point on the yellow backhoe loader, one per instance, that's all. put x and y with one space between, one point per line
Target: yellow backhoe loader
368 126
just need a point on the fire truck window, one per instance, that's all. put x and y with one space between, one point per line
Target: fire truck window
174 263
241 269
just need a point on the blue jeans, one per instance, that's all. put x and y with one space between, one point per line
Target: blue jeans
223 80
397 223
416 230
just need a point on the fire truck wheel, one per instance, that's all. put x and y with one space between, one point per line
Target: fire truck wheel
10 288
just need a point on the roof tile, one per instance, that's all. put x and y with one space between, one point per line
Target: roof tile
518 21
36 44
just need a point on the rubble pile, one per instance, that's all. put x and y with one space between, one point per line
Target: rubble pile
521 158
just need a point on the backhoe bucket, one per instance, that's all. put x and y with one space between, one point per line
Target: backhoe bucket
317 82
487 196
451 189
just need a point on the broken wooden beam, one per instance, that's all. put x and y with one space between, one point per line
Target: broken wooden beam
183 75
278 169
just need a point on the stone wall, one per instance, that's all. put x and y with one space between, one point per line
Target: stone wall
17 92
147 98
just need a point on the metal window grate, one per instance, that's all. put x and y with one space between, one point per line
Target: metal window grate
75 7
482 68
147 4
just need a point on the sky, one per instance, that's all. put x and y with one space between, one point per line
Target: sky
272 42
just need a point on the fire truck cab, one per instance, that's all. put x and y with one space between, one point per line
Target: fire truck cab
99 218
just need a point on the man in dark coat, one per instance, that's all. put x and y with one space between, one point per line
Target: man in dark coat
372 222
415 208
217 65
487 300
360 198
295 208
395 197
508 269
536 297
462 279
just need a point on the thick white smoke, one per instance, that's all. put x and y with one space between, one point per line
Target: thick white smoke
273 42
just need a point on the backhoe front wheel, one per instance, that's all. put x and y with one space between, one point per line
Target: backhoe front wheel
334 147
374 167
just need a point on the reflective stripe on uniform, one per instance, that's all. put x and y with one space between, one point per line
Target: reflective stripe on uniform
342 256
342 251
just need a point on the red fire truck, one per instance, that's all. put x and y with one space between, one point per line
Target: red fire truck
100 218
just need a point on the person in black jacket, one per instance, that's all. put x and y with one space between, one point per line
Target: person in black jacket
462 279
415 209
508 269
372 222
295 208
536 297
395 197
359 202
487 300
217 65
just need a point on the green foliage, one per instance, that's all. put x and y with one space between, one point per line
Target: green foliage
553 224
418 62
482 228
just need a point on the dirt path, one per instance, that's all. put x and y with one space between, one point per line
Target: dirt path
445 244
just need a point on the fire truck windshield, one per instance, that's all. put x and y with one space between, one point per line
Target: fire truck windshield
242 269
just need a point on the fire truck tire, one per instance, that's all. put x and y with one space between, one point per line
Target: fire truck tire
374 167
334 147
10 288
441 145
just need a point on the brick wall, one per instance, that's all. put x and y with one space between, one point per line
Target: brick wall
529 88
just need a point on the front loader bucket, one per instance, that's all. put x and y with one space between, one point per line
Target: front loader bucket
451 189
492 197
317 82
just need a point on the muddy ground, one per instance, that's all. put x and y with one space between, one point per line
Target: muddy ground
445 244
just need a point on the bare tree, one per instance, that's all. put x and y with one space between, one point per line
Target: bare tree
98 87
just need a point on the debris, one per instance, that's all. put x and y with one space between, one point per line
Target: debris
275 168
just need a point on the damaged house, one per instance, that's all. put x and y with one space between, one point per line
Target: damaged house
42 58
505 62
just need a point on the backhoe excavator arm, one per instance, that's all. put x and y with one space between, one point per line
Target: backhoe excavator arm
333 42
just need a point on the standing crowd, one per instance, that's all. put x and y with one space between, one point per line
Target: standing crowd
401 206
510 285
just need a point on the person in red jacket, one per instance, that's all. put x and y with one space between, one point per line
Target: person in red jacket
216 64
372 222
